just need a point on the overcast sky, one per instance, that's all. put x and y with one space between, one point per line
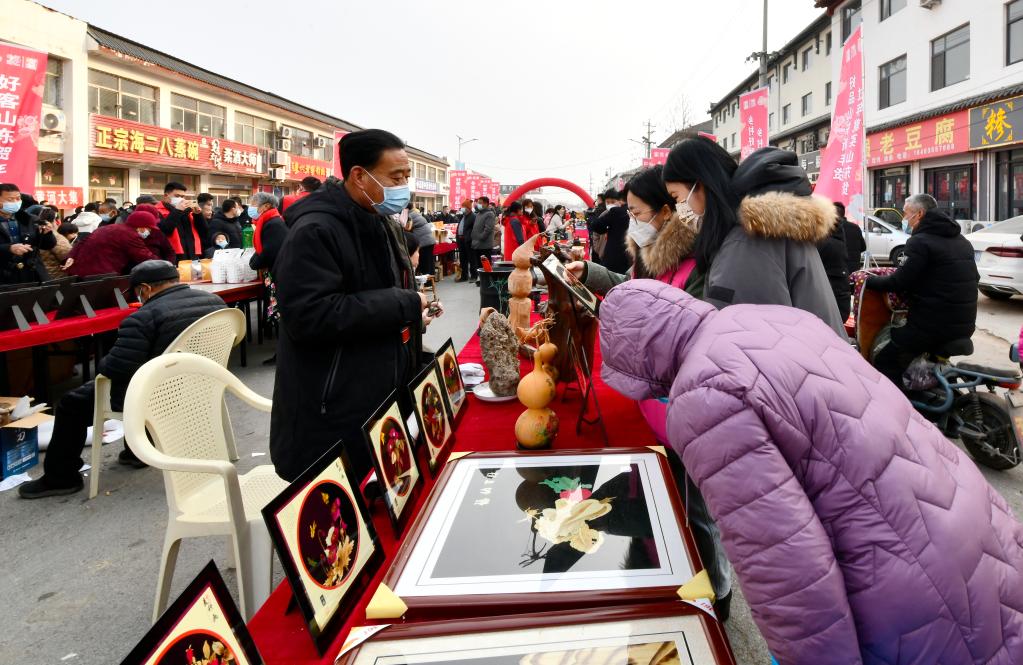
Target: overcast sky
548 87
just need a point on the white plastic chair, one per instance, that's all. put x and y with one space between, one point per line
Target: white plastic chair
177 398
212 336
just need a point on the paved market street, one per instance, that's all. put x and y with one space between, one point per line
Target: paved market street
88 603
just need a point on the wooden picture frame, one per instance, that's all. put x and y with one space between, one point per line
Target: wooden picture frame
201 618
447 362
394 459
321 513
431 574
432 414
696 638
552 267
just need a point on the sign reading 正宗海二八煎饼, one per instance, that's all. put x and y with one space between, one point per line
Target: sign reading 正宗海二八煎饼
125 140
996 124
22 72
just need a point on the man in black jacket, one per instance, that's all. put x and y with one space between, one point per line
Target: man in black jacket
21 236
854 244
225 221
167 309
351 318
833 255
466 257
614 223
939 278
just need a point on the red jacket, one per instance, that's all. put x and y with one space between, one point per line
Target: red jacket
172 237
115 248
291 198
511 243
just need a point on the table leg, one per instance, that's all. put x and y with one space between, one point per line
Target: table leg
5 378
244 304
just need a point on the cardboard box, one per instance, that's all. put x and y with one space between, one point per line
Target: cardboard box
19 441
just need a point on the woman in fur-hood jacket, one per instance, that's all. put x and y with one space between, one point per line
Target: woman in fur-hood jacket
660 243
759 227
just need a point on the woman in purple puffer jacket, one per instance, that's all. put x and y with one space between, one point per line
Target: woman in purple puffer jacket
858 532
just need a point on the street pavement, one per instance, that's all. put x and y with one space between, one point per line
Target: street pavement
79 576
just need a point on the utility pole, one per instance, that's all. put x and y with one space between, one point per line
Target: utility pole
763 52
647 139
462 142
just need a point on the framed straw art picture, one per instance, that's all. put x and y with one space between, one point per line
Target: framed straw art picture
554 268
522 531
668 633
427 393
454 386
394 460
326 543
203 626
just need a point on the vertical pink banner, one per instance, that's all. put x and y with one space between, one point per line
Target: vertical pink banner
658 156
338 134
22 74
753 116
495 192
456 190
472 184
841 176
484 187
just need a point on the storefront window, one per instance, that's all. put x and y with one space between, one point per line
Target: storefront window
152 182
891 187
197 117
953 189
116 97
51 91
1009 184
252 130
1014 32
107 183
51 173
852 16
892 83
950 58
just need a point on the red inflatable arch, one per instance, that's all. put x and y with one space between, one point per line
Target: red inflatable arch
549 182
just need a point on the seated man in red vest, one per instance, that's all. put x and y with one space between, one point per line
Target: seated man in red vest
185 231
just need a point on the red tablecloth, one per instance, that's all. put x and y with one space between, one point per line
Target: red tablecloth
63 329
444 248
283 638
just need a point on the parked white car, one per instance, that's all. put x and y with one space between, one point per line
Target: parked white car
998 250
885 241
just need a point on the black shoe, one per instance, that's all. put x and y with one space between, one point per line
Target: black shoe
38 489
723 607
127 458
272 360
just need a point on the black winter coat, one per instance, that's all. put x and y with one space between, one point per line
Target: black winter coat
271 237
229 227
854 244
939 277
27 268
835 259
615 223
345 291
146 333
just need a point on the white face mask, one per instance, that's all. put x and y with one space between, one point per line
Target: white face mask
643 233
686 213
529 211
176 200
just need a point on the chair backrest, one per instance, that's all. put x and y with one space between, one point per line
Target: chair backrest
177 399
212 336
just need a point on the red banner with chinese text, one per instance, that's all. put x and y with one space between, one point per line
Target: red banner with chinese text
473 183
125 140
303 167
658 156
22 72
753 116
338 135
456 188
841 175
60 196
944 135
494 193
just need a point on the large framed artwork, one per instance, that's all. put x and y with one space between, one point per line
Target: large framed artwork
427 392
520 531
202 627
669 633
554 268
394 460
326 543
447 361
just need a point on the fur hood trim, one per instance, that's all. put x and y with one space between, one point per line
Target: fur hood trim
673 244
784 215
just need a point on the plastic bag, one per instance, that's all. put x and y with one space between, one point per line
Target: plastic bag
920 374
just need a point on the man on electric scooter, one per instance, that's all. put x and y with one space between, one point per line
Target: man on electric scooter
938 277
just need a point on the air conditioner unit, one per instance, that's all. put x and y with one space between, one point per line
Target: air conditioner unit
284 144
929 4
278 158
53 120
321 142
278 174
284 132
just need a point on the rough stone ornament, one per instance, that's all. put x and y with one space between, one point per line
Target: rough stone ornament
500 349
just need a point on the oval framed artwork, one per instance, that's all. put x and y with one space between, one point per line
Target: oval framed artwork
328 534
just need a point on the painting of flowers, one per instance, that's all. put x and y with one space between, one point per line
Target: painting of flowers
200 647
395 457
452 375
328 534
431 406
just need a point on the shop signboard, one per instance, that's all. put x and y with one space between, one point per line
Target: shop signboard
124 140
811 162
753 115
426 186
841 173
944 135
22 72
303 167
996 124
62 197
